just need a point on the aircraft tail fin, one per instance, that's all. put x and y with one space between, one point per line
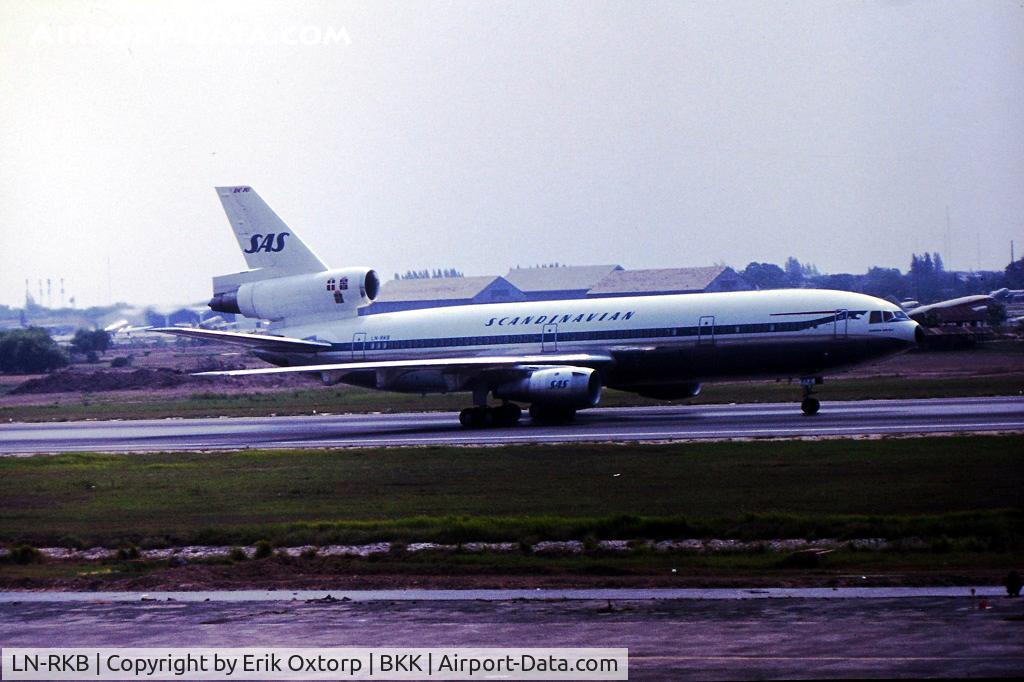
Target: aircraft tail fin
266 242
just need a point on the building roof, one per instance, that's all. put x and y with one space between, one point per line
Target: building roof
434 289
665 280
561 278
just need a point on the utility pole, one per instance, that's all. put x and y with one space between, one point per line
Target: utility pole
946 254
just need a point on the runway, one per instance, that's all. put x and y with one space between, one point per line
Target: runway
670 423
909 633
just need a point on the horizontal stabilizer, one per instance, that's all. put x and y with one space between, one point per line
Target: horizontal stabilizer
258 341
452 364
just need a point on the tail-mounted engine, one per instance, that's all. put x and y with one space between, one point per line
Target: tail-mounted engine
340 292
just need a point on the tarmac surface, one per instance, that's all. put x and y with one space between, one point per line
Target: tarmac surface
727 634
687 422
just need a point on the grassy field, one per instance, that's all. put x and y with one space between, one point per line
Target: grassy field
966 489
212 403
955 502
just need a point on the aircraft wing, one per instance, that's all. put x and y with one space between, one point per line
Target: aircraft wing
259 341
471 363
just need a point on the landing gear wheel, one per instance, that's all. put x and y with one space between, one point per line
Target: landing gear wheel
810 406
551 415
476 417
507 415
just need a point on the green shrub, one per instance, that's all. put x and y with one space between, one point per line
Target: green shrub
128 552
264 549
90 341
237 554
26 554
25 351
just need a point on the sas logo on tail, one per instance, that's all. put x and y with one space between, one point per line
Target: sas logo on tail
267 243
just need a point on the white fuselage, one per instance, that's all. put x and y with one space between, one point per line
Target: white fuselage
654 338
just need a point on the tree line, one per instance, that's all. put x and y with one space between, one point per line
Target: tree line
33 350
925 281
437 273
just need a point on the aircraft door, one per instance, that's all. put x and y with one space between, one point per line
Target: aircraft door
359 346
706 331
841 324
549 339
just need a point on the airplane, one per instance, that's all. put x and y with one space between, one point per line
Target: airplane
557 356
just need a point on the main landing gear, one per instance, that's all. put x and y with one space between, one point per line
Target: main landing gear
486 417
483 417
810 404
541 414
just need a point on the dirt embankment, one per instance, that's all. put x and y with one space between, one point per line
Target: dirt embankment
101 380
179 374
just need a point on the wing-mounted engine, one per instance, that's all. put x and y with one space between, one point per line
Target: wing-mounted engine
566 387
326 294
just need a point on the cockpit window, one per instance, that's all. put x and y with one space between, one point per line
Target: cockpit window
900 315
887 316
876 317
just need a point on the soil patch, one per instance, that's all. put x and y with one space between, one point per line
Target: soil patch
74 381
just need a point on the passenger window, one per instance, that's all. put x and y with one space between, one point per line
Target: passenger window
876 317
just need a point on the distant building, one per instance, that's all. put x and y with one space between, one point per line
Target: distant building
561 282
669 281
167 317
413 294
549 284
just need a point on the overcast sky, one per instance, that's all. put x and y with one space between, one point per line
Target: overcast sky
481 135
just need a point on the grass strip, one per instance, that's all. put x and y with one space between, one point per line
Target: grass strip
966 489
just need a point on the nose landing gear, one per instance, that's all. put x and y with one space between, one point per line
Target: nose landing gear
810 404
